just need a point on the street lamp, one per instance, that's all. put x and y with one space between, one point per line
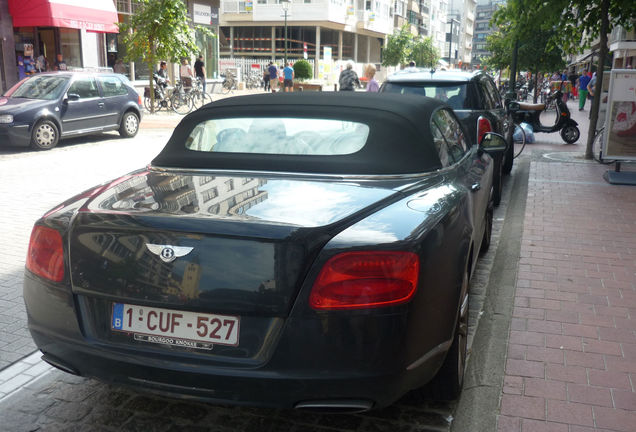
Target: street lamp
285 4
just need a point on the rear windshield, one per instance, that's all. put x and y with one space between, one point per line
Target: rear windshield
279 135
459 95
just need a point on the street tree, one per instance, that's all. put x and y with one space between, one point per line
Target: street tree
398 47
534 54
576 25
402 47
159 30
424 53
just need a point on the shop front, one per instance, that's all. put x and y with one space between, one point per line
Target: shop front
58 34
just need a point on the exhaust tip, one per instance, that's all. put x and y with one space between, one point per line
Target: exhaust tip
335 406
55 362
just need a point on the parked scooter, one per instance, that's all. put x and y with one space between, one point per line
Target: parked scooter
531 113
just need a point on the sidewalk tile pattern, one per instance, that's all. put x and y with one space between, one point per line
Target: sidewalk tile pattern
572 350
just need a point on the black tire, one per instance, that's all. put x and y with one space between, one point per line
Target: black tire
447 384
45 135
181 104
129 125
201 99
497 181
570 134
485 241
509 158
227 86
158 104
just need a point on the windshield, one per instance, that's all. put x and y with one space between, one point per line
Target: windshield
455 94
279 135
47 87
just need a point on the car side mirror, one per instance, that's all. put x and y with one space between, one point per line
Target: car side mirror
492 143
72 97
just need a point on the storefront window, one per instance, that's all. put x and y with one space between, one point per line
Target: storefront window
70 44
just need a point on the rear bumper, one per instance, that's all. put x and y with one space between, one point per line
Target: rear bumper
303 369
15 135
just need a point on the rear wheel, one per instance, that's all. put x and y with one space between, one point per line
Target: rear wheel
45 135
570 134
509 159
485 241
497 181
447 384
129 125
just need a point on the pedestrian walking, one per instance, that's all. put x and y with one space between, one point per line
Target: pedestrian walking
266 79
199 70
288 75
584 80
185 72
348 78
372 84
119 67
273 77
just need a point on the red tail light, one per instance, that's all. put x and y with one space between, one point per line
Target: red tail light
45 257
483 126
367 279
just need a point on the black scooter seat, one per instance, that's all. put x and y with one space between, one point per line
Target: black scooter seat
531 107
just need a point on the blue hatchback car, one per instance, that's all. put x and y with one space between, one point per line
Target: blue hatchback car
44 108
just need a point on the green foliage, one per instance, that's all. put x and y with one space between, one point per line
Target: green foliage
398 47
302 70
424 53
403 46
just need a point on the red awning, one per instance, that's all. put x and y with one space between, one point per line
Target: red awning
93 15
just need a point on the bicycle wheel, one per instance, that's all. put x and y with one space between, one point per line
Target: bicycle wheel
597 147
227 86
147 104
201 99
181 103
519 137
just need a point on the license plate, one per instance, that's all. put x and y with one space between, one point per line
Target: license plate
173 327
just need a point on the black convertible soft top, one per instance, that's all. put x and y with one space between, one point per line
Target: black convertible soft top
399 140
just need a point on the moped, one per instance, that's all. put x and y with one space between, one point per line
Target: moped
531 113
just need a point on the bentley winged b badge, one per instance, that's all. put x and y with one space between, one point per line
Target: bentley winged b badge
168 253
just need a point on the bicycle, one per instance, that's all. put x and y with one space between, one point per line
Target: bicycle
597 147
180 101
229 82
198 96
162 98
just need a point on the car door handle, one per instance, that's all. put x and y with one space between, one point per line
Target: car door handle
475 187
100 105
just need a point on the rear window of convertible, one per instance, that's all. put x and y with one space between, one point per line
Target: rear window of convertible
276 135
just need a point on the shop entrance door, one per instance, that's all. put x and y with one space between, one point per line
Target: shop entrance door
48 47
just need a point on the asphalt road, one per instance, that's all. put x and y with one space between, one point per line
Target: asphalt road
34 396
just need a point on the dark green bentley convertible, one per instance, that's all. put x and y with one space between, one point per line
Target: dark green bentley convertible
290 250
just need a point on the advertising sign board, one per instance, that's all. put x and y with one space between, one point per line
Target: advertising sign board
620 125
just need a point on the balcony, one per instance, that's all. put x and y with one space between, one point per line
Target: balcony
621 39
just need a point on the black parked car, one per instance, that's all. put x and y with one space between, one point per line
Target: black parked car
315 258
44 108
474 98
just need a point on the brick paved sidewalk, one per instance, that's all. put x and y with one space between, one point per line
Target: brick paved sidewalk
571 362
